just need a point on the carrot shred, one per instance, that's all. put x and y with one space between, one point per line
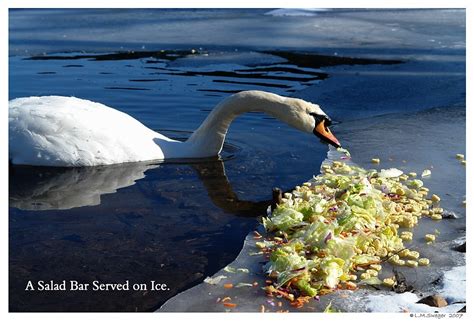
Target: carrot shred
228 285
230 305
299 302
285 295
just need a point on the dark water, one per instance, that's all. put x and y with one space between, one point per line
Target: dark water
173 223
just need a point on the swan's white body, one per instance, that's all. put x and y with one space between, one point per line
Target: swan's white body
72 132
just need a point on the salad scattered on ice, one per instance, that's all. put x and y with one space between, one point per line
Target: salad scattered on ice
336 230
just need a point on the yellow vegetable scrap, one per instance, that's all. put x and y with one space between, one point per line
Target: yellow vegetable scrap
461 159
375 160
426 173
436 217
389 282
372 272
404 253
406 236
435 198
403 177
411 263
411 255
376 267
430 237
423 261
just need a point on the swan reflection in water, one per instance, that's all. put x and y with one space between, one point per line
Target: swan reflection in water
79 222
51 188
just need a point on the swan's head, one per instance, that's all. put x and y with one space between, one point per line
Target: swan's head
310 118
300 114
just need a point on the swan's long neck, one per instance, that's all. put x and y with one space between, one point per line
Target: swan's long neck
209 138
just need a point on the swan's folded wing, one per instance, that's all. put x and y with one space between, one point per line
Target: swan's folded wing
67 131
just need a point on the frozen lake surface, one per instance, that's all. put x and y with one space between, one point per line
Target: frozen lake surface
392 80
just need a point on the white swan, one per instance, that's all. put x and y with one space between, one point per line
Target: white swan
72 132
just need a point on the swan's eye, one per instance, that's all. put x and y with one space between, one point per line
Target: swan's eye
319 118
316 116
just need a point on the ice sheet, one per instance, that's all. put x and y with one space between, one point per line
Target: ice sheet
339 32
405 302
454 284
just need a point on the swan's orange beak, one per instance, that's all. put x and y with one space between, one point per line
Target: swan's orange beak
323 132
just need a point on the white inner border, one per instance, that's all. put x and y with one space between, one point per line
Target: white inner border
6 4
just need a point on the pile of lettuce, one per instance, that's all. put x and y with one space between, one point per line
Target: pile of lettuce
336 230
